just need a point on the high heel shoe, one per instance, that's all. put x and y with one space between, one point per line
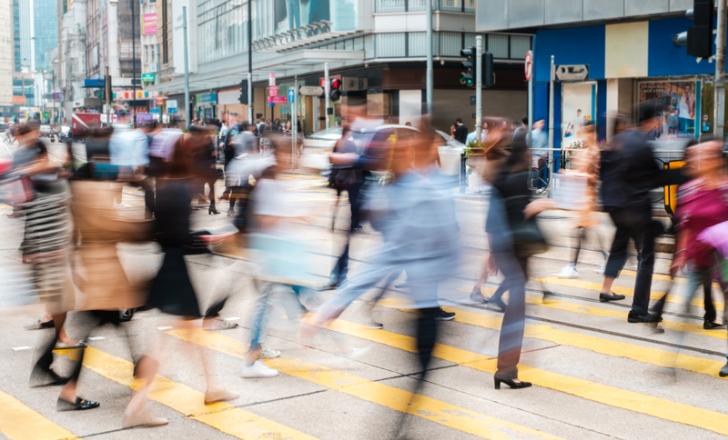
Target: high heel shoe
512 383
212 210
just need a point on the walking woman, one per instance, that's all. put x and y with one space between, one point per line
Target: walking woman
586 163
514 237
171 290
46 243
702 203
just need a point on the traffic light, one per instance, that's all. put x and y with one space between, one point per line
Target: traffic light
467 76
488 70
700 36
243 98
335 89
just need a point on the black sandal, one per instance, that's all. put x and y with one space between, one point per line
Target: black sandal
79 405
40 325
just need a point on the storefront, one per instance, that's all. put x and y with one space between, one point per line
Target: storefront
627 64
206 106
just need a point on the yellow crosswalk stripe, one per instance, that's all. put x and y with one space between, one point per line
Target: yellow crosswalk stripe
19 422
437 411
605 394
222 416
606 346
675 297
604 312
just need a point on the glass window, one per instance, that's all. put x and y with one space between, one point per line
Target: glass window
451 5
417 5
469 40
469 5
520 44
390 45
417 44
390 5
450 44
498 45
369 47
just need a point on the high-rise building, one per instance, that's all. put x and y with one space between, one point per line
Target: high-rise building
6 52
45 33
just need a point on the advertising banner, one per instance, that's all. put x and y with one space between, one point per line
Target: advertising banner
295 14
679 99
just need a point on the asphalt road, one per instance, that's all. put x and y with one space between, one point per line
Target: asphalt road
594 375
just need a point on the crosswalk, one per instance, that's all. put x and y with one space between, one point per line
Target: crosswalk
20 419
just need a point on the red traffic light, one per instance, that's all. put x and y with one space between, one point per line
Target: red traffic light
335 84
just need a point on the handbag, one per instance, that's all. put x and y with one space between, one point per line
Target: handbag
528 239
342 178
16 190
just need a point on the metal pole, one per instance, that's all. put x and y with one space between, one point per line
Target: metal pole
107 96
719 88
327 91
478 86
429 73
250 61
551 112
188 116
133 63
294 122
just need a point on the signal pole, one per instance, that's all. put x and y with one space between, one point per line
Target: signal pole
478 86
719 88
327 91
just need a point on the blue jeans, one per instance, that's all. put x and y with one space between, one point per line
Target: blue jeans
262 307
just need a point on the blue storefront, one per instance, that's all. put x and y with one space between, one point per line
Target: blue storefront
627 63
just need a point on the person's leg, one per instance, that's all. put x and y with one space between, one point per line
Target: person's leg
211 184
149 195
617 255
580 236
260 315
644 238
355 205
710 312
511 336
341 268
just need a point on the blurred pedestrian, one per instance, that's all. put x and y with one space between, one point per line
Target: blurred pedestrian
514 237
628 172
45 244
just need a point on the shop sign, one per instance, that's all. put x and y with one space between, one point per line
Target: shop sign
207 98
277 100
149 77
272 90
311 90
572 72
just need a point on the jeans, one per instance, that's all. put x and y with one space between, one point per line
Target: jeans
635 225
262 307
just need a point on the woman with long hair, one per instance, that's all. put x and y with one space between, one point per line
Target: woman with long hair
514 237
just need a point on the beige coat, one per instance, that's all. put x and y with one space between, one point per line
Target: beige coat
102 280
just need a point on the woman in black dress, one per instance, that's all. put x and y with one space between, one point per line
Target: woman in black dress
171 290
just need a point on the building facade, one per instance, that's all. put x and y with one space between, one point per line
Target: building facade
6 55
628 54
376 46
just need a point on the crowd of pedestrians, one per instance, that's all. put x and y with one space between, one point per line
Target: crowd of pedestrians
72 228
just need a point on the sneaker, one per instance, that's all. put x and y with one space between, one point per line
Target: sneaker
258 370
477 297
270 353
569 271
443 315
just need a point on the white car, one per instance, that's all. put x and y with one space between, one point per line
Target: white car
318 146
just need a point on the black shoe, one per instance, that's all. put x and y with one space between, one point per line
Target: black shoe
512 383
644 318
442 315
498 304
708 325
79 405
47 379
724 371
212 210
330 286
607 297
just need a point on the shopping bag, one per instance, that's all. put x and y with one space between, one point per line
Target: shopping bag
16 190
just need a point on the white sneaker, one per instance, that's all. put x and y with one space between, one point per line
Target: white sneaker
270 353
569 271
258 370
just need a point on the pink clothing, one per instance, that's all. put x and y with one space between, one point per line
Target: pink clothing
698 209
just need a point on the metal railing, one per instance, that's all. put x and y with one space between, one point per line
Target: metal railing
421 5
